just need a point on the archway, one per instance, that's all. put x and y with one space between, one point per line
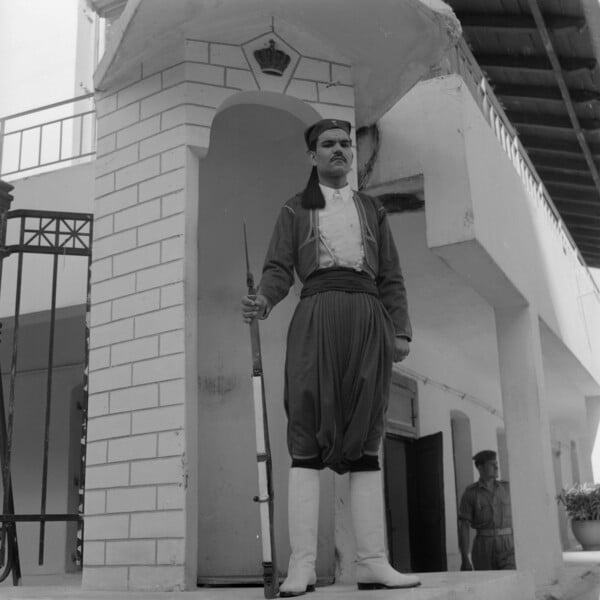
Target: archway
256 161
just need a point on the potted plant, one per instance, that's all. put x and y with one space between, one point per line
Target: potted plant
582 503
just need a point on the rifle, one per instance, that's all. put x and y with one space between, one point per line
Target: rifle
263 452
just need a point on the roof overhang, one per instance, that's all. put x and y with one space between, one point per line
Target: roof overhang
391 45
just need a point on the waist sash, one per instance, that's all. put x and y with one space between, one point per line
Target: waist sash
494 532
338 279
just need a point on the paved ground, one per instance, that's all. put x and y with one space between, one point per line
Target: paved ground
581 582
498 585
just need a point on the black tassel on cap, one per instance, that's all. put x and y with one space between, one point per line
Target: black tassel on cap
312 196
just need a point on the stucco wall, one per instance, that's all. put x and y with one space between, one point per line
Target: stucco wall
473 192
454 345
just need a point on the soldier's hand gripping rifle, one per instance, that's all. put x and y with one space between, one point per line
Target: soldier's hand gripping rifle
263 452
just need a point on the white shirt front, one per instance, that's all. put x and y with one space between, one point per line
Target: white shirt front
340 238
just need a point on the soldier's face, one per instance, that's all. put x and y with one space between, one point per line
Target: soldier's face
489 469
333 154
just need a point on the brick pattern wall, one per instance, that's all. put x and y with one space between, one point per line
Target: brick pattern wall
135 523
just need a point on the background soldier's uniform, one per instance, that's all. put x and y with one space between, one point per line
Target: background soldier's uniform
489 512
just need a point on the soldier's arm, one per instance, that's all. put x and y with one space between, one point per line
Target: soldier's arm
465 513
464 544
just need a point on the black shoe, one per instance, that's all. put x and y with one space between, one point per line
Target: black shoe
382 586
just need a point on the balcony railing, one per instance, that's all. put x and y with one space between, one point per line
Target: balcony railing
465 64
42 139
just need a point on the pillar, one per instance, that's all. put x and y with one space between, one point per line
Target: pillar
592 406
537 541
141 474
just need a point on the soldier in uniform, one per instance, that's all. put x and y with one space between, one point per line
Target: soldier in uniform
350 325
485 506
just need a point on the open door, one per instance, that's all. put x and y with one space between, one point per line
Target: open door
426 498
396 502
414 493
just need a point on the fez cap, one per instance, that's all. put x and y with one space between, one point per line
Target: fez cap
482 457
312 133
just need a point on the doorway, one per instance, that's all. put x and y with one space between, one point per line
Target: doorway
415 508
256 162
414 485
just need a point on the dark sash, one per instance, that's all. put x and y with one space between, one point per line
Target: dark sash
338 279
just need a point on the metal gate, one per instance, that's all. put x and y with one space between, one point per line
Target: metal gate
60 235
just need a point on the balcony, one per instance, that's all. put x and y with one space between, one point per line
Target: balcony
488 214
46 138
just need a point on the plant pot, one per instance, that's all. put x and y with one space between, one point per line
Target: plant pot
587 533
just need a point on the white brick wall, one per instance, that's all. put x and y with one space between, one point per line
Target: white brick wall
94 553
104 578
105 476
131 499
114 202
135 463
132 447
96 453
196 50
131 552
97 405
134 398
138 131
171 392
169 552
136 304
136 471
160 470
158 419
134 350
315 70
170 497
158 524
102 428
227 55
95 502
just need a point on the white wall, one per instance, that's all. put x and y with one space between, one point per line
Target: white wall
454 345
474 193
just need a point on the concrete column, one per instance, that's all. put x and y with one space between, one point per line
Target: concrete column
537 541
592 407
141 475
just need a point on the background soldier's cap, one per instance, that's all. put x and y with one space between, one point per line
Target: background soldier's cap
312 133
482 457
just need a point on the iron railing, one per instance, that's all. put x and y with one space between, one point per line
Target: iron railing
463 63
43 138
58 234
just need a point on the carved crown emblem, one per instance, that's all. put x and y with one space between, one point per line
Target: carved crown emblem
272 61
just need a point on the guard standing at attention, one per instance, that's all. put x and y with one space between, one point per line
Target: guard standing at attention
350 325
485 506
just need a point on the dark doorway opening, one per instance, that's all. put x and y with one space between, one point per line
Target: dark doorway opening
414 490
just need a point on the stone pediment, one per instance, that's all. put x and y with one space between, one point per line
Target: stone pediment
390 46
